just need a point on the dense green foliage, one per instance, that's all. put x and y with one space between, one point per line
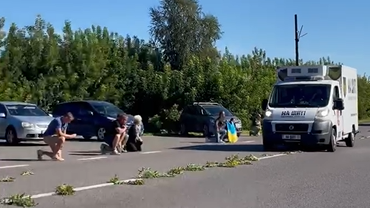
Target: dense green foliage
155 78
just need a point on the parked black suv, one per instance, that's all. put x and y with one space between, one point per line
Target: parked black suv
200 117
91 117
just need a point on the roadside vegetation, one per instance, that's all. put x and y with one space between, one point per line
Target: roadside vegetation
152 78
145 173
41 66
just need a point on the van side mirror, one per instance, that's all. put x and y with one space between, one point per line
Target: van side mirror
338 104
264 104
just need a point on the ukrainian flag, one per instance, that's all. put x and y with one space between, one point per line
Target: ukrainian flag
231 133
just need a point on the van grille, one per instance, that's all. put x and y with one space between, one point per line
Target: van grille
291 127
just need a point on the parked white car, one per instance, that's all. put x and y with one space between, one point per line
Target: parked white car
22 121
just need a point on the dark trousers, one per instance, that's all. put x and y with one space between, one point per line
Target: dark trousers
109 140
133 146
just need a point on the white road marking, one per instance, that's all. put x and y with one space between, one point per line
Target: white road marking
14 166
271 156
150 152
92 158
84 188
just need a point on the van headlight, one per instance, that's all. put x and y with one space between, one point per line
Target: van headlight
322 113
268 113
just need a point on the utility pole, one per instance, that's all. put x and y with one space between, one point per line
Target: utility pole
298 36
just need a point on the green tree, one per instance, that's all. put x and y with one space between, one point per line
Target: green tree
180 28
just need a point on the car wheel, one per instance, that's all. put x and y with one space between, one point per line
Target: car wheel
332 146
183 131
101 133
11 136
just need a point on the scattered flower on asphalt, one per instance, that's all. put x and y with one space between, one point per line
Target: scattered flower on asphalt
27 173
136 182
7 179
149 173
251 158
115 180
65 190
194 167
176 171
230 162
20 200
211 164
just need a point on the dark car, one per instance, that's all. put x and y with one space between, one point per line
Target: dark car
201 116
91 117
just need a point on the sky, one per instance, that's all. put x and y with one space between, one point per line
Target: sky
338 29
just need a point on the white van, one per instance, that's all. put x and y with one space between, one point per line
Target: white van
312 105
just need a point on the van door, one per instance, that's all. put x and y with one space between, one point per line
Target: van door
338 114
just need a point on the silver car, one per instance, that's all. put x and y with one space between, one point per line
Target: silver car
22 121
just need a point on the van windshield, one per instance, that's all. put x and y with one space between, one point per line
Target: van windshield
300 95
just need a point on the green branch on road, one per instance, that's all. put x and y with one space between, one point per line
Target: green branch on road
65 190
20 200
148 173
176 171
194 167
211 164
27 173
116 181
7 179
136 182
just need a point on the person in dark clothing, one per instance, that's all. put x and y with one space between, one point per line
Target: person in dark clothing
115 136
221 130
134 141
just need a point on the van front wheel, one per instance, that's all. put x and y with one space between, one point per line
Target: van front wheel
332 146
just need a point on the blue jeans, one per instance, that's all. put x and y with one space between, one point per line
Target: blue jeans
220 136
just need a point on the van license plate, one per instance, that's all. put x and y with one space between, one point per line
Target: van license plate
294 137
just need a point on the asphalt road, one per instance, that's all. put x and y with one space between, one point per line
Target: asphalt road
307 179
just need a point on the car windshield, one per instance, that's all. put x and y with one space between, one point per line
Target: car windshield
300 95
109 110
25 110
215 110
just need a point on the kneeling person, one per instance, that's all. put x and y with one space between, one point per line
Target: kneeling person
115 136
134 135
55 136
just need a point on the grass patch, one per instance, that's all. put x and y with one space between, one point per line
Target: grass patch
20 200
364 121
7 179
65 190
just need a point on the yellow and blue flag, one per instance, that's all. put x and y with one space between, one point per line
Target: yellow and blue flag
231 133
